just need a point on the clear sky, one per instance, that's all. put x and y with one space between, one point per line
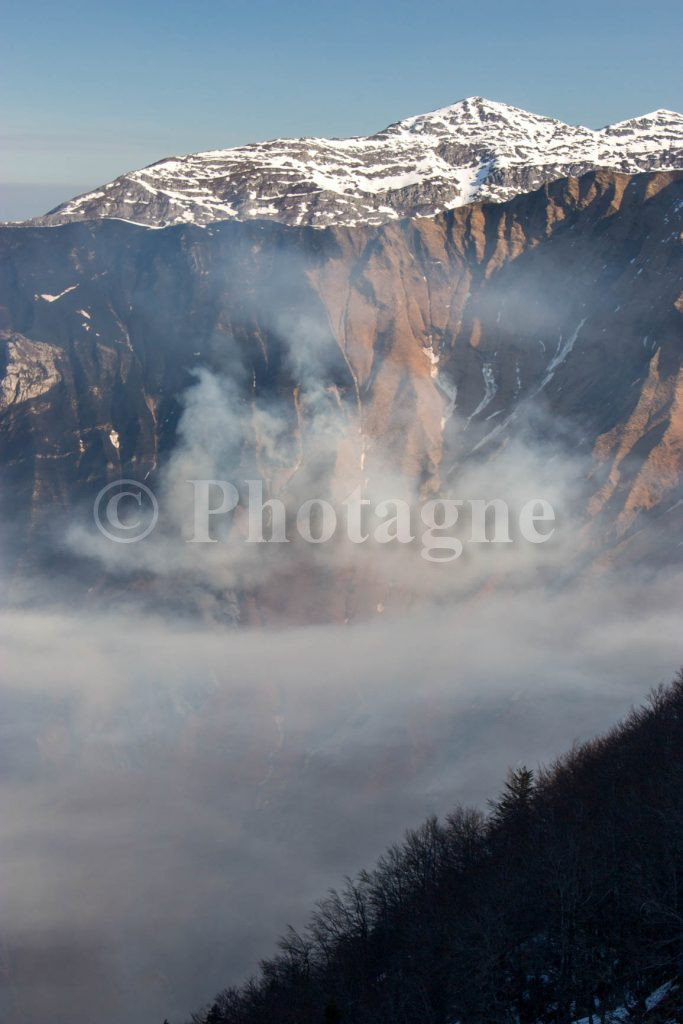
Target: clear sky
95 89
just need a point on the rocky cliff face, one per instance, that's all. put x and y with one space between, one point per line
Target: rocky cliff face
475 150
416 348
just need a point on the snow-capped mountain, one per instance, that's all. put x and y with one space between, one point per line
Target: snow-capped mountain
474 150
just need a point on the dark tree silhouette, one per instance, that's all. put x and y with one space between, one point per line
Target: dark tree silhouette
565 902
332 1014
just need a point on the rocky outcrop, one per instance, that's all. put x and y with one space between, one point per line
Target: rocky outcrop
31 370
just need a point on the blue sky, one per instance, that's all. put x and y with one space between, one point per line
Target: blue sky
92 90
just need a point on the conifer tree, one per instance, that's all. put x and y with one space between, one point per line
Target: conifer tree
516 798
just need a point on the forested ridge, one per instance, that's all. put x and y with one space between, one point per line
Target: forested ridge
563 902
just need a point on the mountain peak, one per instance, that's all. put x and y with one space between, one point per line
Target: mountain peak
473 150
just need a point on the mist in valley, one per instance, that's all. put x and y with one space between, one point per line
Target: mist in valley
175 794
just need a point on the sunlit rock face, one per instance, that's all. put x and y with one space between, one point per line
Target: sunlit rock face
475 150
347 356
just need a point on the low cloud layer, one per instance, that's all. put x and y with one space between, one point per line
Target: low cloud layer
173 796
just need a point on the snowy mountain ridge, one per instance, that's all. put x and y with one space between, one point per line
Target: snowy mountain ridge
474 150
